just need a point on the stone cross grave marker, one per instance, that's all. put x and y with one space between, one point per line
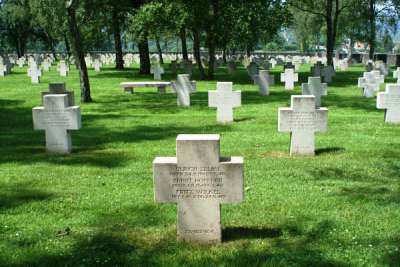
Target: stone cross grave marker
316 88
370 66
289 77
225 100
396 74
273 63
252 70
264 81
63 68
59 89
327 73
97 65
198 180
57 119
35 73
316 70
183 88
390 101
302 120
157 71
369 84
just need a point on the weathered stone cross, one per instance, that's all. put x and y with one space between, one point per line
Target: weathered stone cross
60 89
225 100
316 88
369 84
157 70
327 73
302 120
390 100
57 118
289 77
199 180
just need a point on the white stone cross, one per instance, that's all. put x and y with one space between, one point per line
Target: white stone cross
369 84
35 73
390 101
198 180
225 100
63 68
57 118
264 81
316 88
97 65
302 120
396 74
183 88
157 71
289 77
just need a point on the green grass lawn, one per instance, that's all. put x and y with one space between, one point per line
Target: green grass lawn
95 207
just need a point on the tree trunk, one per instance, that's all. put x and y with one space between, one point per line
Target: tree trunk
224 55
67 48
196 52
159 51
79 54
248 52
211 53
185 56
372 28
329 33
119 60
144 57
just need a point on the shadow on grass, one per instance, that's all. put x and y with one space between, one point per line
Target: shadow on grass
133 247
20 194
237 233
329 150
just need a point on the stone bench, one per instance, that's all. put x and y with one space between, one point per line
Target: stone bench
130 86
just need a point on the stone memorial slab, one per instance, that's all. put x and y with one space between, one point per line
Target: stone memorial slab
225 100
390 101
57 119
302 120
198 179
289 77
316 88
264 81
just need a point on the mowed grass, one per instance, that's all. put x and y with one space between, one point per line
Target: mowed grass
95 207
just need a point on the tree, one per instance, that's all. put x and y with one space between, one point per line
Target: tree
330 10
76 40
16 23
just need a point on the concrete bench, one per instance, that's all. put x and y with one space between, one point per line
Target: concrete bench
130 86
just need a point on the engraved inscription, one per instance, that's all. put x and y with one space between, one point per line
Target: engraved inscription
197 183
55 117
394 100
302 120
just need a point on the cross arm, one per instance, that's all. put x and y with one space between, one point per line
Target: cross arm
382 100
282 77
237 99
233 184
212 99
74 117
38 121
284 115
321 120
163 173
